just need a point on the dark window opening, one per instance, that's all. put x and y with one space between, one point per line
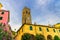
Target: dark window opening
31 28
40 29
47 30
26 12
29 12
1 18
54 30
2 13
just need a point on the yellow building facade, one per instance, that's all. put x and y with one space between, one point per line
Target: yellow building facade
57 25
27 27
37 29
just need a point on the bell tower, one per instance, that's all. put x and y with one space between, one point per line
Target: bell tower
26 16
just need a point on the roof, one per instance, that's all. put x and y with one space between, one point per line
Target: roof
26 8
3 10
36 25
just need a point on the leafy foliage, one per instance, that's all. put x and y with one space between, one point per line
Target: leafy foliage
26 36
56 38
40 37
4 35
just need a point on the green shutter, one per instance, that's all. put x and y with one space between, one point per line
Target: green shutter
54 30
47 29
40 29
31 28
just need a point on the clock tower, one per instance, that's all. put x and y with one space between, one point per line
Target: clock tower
26 16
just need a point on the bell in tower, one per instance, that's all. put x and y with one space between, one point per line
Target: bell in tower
26 16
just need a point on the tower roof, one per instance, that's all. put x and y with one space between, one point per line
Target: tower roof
26 8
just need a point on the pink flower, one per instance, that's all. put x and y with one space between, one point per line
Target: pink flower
5 29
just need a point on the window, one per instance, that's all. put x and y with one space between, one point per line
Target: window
54 30
47 29
0 18
26 12
31 28
2 13
40 29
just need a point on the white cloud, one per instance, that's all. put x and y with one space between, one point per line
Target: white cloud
42 2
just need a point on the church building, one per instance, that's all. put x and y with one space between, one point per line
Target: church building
28 28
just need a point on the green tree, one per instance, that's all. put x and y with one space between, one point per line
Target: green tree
39 37
26 36
4 35
56 38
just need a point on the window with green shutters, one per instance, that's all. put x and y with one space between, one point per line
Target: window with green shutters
47 29
40 29
31 28
54 30
0 18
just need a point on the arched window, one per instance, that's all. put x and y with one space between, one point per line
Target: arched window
49 37
26 12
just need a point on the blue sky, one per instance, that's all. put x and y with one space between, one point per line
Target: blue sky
42 11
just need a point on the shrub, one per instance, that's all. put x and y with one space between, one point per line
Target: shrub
39 37
56 38
26 36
